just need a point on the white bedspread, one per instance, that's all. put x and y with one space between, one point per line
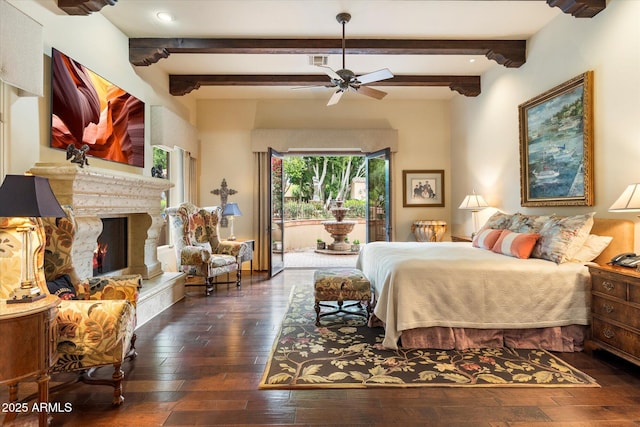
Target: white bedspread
456 285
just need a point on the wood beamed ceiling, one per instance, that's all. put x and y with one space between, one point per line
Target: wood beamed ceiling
148 51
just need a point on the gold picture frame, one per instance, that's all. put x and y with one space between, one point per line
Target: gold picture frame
423 188
556 145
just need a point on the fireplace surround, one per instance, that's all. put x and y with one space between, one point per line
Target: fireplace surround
99 193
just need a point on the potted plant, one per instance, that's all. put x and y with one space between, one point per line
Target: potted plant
320 244
355 246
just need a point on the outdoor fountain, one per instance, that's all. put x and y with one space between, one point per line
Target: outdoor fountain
339 229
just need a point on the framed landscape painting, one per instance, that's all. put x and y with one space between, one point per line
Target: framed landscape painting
422 188
556 145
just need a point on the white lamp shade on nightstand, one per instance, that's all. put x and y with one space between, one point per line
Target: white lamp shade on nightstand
474 202
629 200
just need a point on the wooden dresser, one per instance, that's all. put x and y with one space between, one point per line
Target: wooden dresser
615 308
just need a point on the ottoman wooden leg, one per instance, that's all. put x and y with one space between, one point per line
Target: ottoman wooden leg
317 307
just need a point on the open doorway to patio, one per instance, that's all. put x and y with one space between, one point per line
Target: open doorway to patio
331 203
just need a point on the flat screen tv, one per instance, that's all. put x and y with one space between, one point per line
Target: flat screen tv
89 110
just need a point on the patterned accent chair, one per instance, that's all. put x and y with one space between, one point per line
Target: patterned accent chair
97 329
199 252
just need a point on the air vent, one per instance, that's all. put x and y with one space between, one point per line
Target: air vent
318 60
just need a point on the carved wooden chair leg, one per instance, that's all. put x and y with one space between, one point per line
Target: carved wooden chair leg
115 382
239 276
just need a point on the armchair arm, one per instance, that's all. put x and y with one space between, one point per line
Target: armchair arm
110 288
93 333
233 248
194 255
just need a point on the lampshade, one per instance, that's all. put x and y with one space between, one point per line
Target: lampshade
473 202
28 196
231 209
628 201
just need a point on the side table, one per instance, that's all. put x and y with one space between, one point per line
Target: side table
459 238
615 311
28 332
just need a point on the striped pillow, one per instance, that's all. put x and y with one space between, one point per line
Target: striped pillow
517 245
485 239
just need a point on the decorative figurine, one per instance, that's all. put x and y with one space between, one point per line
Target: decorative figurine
224 191
78 156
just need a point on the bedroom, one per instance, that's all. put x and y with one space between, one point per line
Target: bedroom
475 140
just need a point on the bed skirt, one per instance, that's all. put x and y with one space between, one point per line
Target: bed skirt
561 338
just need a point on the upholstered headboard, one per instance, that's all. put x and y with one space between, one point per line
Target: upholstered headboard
623 233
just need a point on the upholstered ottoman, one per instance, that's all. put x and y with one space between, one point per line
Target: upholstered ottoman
340 285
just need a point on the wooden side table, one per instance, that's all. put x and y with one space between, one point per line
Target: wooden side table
460 238
615 311
28 332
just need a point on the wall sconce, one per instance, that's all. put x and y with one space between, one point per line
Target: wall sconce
474 202
231 210
27 196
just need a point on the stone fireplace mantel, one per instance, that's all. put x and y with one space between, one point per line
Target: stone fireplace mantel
99 193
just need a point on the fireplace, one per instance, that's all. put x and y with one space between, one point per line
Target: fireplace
98 194
112 248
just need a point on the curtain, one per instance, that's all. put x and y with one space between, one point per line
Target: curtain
261 214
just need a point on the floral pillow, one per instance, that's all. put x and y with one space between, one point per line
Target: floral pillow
498 221
562 237
521 223
518 245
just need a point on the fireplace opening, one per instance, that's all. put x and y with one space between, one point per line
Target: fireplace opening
111 253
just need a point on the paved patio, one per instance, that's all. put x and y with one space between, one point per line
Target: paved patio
308 258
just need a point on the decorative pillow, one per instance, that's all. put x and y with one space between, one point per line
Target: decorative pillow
485 239
521 223
498 221
514 244
592 248
562 237
62 288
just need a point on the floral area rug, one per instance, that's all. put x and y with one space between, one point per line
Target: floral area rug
345 353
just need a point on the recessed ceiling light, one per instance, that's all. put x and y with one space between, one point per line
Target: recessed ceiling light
472 60
164 16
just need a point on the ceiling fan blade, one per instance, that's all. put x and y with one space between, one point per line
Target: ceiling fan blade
335 97
375 76
329 72
369 91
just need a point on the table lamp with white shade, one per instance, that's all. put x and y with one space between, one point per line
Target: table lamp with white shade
474 202
629 200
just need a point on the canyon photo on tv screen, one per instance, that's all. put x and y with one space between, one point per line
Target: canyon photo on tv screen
89 110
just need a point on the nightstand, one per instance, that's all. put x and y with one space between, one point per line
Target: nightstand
615 309
459 238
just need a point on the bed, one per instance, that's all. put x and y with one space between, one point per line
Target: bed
448 295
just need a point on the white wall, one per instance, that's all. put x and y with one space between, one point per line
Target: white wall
225 131
485 150
97 44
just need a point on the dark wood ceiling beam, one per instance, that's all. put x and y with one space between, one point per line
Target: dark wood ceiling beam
579 8
147 51
84 7
180 84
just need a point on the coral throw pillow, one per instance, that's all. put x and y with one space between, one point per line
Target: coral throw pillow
517 245
485 239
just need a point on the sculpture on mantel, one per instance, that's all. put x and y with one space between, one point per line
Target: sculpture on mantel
78 156
224 192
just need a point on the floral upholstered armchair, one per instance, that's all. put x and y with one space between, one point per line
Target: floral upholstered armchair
199 252
94 330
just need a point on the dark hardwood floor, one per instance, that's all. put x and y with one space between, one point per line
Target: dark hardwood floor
201 360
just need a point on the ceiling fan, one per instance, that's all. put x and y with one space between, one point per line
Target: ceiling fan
346 79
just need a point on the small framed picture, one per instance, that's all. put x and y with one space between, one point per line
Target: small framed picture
423 188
